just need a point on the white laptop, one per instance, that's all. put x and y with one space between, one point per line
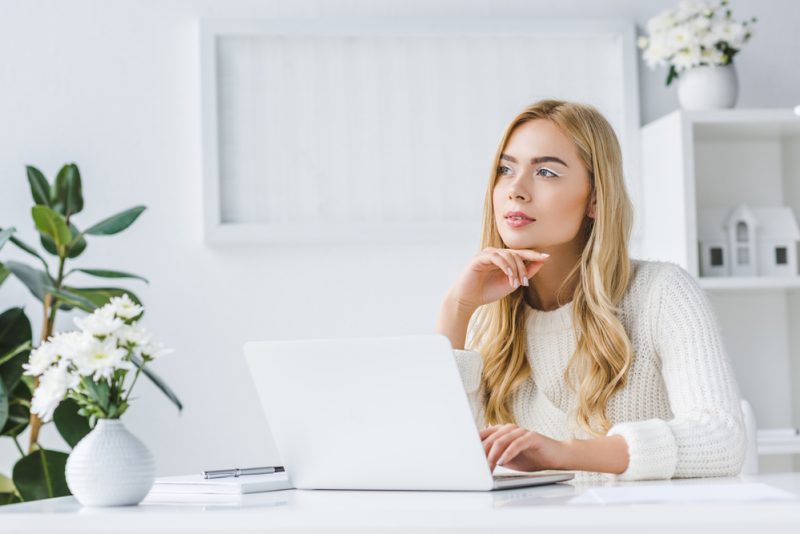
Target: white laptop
385 413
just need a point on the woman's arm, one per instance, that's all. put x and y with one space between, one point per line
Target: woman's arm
705 436
453 320
607 454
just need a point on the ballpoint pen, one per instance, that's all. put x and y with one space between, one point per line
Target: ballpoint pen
236 471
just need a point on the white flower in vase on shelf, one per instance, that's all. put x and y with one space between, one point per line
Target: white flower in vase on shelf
698 42
97 366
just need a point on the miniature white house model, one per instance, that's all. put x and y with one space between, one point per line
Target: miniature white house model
748 241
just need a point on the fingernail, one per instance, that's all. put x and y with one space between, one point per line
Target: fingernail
501 461
525 281
509 273
516 283
545 255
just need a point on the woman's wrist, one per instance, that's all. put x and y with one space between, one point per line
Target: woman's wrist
606 454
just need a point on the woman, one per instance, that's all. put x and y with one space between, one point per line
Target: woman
583 358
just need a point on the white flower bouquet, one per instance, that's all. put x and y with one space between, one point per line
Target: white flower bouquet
694 34
93 365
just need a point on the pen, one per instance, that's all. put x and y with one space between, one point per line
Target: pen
236 472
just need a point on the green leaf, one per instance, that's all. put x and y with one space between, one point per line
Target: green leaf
9 498
6 484
3 405
5 235
103 273
8 493
4 272
36 281
77 243
100 296
159 383
67 190
73 299
53 224
19 349
72 426
116 223
98 391
40 188
29 250
15 329
19 413
40 475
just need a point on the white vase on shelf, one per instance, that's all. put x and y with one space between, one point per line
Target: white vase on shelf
708 87
110 467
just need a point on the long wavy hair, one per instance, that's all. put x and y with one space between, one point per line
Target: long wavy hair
599 366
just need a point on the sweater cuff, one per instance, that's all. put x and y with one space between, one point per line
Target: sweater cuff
653 453
469 364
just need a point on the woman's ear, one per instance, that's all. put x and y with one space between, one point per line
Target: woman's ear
592 206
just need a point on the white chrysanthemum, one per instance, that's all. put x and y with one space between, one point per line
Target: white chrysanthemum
690 8
53 386
155 350
67 344
101 322
133 335
686 58
679 38
662 21
40 359
124 307
656 53
711 56
101 358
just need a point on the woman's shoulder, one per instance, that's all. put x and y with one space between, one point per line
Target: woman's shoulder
652 276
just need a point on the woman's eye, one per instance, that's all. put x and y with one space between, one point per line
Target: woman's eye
546 170
504 170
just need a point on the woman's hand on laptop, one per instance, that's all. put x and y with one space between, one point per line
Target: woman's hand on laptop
493 273
517 448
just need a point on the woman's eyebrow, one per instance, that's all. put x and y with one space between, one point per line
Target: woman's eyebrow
541 159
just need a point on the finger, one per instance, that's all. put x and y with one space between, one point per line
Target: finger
523 278
505 264
489 441
515 448
516 275
530 255
501 443
488 431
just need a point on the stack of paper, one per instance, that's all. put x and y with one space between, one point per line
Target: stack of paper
188 488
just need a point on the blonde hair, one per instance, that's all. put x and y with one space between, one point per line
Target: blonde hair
599 366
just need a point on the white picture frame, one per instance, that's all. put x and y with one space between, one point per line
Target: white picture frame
236 208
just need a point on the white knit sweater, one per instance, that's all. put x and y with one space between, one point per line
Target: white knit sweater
680 410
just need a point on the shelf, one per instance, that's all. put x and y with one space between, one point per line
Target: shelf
735 283
788 445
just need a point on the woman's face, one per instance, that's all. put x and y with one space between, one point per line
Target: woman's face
541 175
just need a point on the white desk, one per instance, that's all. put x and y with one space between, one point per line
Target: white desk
539 509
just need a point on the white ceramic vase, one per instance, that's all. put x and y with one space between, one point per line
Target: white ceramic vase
110 467
708 87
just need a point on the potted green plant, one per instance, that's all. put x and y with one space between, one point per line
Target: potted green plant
40 472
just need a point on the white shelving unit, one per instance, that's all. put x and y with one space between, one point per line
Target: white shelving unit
698 159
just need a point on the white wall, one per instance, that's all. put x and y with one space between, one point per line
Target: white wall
114 87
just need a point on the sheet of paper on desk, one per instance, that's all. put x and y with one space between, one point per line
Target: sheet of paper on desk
682 493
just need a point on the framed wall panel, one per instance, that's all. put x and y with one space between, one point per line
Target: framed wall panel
383 130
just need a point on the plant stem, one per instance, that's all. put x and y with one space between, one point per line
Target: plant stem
50 309
136 376
21 452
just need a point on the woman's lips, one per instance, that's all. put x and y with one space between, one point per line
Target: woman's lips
518 223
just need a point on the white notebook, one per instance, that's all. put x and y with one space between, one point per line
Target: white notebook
197 485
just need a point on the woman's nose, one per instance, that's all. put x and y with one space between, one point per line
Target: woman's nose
516 190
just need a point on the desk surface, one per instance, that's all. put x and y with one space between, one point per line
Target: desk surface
507 510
